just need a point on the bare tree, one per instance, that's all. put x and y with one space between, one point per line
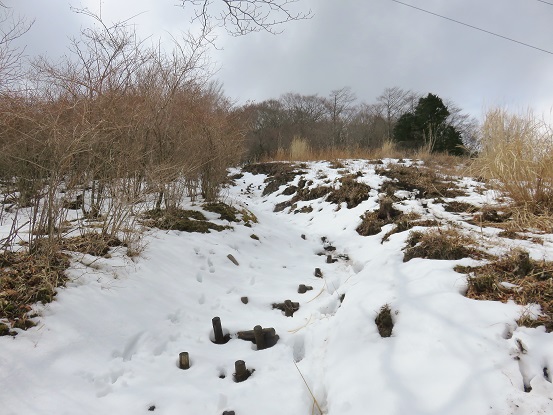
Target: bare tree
12 27
339 105
240 17
393 102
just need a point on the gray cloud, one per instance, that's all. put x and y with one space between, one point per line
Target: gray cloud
365 45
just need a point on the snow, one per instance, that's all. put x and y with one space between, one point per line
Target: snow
110 342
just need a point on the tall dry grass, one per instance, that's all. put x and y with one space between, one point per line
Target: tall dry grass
301 151
517 155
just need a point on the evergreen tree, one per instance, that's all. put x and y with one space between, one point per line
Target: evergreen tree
427 125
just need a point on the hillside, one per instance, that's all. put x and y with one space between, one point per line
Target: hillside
419 299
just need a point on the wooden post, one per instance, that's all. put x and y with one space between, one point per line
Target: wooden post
218 330
318 273
329 259
259 337
184 360
288 308
302 289
244 300
241 372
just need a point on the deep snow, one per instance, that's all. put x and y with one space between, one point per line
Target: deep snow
110 342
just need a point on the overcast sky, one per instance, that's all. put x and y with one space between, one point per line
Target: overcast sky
366 45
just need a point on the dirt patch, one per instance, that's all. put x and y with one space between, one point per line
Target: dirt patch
180 220
350 191
384 321
438 243
515 277
25 280
424 182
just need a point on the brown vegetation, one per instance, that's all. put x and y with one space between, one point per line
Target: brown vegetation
443 244
515 277
425 182
517 156
27 279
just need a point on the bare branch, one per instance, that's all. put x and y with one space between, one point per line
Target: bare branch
241 17
12 27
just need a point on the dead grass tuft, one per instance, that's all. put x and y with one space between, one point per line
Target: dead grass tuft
180 220
422 180
456 206
25 280
350 191
372 222
225 212
443 244
515 277
91 243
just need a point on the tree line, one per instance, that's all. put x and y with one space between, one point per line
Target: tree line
409 119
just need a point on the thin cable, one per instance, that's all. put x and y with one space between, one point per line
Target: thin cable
546 2
474 27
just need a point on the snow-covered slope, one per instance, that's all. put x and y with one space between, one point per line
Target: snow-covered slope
110 342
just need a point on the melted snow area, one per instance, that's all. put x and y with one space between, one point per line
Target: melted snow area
110 343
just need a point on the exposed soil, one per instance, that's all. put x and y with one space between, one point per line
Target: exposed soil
384 322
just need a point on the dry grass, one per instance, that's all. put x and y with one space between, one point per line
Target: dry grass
180 220
441 243
301 151
92 243
425 181
531 282
517 154
25 280
299 148
350 191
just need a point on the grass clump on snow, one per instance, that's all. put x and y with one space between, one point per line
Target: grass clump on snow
350 191
25 280
515 277
180 220
443 244
425 182
92 243
224 211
